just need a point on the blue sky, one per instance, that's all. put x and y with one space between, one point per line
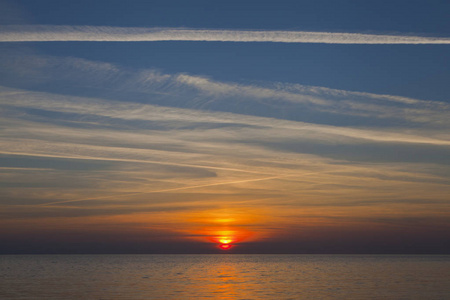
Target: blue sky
377 69
165 122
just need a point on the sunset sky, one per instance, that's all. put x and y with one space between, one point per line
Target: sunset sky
271 126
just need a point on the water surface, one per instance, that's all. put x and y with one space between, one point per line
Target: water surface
224 277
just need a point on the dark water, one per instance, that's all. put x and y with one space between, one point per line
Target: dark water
224 277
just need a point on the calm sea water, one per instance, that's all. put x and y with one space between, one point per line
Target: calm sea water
224 277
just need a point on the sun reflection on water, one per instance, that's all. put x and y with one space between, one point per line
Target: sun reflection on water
226 282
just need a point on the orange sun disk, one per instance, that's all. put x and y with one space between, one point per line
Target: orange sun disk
225 240
225 246
225 243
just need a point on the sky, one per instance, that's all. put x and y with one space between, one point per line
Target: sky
265 126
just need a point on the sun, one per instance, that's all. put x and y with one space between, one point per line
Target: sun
225 246
225 240
225 243
226 229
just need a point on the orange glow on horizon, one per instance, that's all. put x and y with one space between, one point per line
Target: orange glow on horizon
225 227
227 235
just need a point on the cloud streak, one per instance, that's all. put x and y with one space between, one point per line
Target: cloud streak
286 101
50 33
166 190
127 111
145 138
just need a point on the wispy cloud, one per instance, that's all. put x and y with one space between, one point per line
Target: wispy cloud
236 149
48 33
293 102
147 112
147 141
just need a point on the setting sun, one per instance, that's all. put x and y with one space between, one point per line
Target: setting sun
224 227
225 243
225 246
225 240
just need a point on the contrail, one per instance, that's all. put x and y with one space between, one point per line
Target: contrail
165 190
50 33
166 163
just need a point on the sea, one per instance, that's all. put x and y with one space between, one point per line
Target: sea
224 276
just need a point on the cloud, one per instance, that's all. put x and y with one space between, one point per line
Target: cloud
148 112
166 190
321 99
147 141
276 100
236 153
48 33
